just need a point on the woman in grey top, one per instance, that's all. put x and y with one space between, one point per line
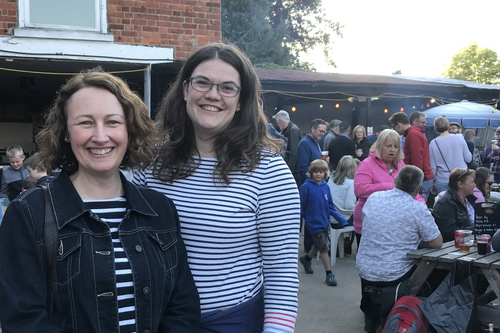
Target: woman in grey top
447 152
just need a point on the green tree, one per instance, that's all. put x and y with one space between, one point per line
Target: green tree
475 64
274 32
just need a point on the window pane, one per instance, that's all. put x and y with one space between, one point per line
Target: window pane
63 12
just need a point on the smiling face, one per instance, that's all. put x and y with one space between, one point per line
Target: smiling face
389 150
318 132
210 112
453 129
16 162
97 131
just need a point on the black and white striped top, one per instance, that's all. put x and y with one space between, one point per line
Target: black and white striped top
241 237
112 211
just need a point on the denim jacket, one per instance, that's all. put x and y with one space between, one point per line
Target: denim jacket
166 298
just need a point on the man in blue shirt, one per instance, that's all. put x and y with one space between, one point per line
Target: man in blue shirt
308 149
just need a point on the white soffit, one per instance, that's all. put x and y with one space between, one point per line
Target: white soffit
12 47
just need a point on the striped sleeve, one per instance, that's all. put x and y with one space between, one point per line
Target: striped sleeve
278 223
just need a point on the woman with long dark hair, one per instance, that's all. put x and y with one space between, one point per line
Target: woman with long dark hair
237 200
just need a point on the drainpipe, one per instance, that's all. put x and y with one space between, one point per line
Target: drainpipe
147 88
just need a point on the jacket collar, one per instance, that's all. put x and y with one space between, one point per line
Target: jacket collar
380 162
68 204
454 195
310 138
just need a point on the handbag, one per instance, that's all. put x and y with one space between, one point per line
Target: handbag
50 238
433 188
452 308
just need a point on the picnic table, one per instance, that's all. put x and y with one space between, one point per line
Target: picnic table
445 258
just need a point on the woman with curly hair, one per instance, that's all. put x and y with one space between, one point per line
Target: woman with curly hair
237 200
120 262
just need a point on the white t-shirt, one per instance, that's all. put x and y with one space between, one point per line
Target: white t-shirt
394 224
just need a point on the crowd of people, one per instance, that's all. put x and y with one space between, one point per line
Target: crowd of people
205 236
399 169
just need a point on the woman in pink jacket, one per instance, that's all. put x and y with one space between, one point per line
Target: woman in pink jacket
377 172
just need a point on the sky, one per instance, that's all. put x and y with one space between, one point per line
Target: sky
416 37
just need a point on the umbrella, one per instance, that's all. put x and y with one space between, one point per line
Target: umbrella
470 115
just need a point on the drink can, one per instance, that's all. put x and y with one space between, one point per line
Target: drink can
459 237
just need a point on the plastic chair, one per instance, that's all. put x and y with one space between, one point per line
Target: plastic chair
337 238
334 238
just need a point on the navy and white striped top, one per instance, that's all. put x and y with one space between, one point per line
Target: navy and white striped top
111 212
240 237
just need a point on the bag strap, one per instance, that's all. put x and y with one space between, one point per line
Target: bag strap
50 238
443 157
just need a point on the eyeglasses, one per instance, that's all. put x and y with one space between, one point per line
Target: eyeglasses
321 131
226 89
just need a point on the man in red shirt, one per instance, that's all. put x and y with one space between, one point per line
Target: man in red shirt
416 147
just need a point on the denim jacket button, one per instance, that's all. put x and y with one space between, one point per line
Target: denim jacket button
138 248
146 290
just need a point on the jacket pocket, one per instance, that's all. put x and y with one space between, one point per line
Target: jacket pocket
68 258
165 242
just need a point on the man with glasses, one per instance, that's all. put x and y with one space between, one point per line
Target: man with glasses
416 147
308 150
455 128
492 155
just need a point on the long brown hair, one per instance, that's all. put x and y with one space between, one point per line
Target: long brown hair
55 152
482 175
239 147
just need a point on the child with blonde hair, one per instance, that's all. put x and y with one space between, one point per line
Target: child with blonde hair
316 207
13 176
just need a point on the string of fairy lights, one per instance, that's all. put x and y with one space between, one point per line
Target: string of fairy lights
309 95
432 100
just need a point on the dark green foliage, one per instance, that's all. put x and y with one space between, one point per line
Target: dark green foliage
274 32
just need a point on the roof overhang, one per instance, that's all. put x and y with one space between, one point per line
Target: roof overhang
83 50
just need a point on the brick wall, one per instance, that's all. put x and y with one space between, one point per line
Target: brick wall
182 24
8 15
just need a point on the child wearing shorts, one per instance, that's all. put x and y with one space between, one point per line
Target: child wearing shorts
316 207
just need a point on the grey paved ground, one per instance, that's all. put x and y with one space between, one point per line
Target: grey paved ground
324 309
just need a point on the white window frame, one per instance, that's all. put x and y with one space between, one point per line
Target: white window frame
101 19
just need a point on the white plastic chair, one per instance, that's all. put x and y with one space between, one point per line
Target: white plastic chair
337 238
334 238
